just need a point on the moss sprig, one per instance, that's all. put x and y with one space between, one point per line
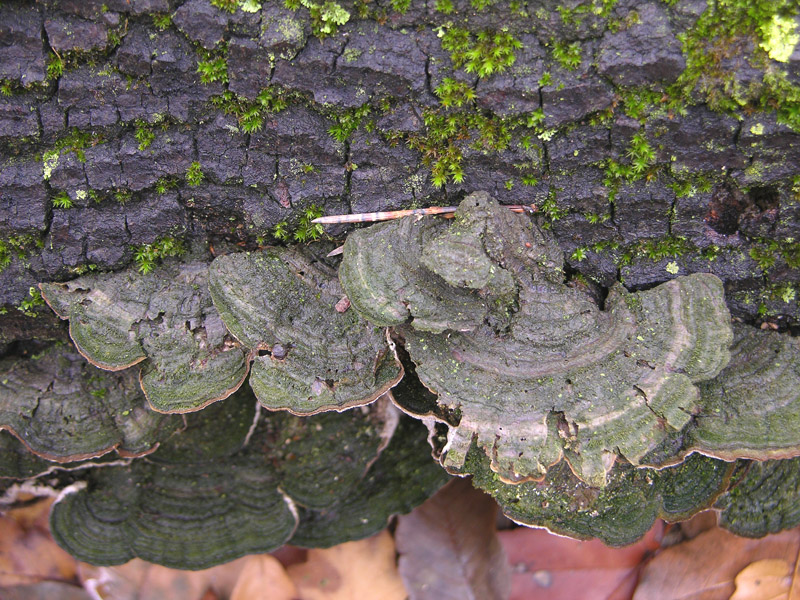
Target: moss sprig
148 256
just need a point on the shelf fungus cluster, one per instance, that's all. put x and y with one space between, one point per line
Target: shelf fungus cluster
589 415
588 412
237 481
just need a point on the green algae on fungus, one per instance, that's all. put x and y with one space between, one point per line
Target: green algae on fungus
537 369
310 353
618 514
198 501
762 498
402 478
235 481
752 409
120 319
63 409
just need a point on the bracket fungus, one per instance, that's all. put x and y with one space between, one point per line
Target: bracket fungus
538 370
120 319
234 482
63 409
308 355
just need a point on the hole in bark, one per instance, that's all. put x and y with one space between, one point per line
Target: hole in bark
727 205
764 197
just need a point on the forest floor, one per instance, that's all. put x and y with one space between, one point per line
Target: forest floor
440 551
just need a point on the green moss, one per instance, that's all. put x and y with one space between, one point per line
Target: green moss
62 200
164 184
486 53
162 22
567 55
346 123
446 130
212 70
444 6
251 113
641 156
575 15
723 30
122 195
281 231
29 305
306 230
16 246
194 174
147 256
454 93
766 251
55 66
551 209
401 6
144 135
326 17
226 5
579 254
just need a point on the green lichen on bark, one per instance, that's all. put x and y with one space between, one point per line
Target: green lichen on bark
316 357
120 319
536 367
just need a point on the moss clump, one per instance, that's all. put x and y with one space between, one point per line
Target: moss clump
326 17
148 256
759 29
17 246
251 113
194 174
484 53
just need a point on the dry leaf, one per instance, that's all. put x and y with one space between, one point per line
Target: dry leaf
46 590
768 579
363 570
550 567
449 548
140 580
28 554
705 567
264 578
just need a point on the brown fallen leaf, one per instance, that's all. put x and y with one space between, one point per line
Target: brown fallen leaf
363 570
705 567
550 567
140 580
768 579
28 554
264 578
449 548
46 590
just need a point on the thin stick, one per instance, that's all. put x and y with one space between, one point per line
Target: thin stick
398 214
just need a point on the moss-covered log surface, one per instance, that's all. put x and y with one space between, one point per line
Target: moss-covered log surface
158 156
